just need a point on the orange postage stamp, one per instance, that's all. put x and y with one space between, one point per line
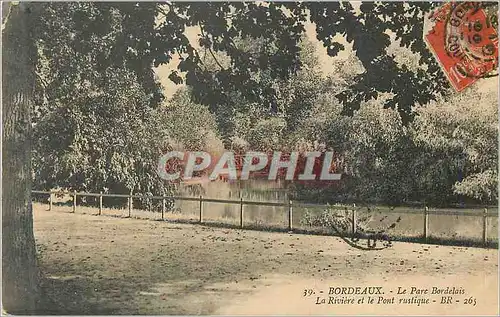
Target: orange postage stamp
464 40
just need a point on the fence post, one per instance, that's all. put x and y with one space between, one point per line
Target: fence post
354 224
201 209
50 201
426 223
290 216
130 205
74 201
100 203
485 226
241 212
163 209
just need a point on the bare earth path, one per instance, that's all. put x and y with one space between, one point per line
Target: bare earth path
105 265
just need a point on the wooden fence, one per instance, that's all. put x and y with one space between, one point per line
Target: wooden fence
289 206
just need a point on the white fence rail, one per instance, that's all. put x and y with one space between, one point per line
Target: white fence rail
288 205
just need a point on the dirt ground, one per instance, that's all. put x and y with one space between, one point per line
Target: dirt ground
108 265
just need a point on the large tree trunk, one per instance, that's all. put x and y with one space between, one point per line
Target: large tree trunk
20 285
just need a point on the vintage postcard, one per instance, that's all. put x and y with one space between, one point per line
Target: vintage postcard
250 158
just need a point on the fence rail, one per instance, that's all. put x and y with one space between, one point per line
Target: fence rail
289 205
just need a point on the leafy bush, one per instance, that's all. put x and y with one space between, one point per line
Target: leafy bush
107 139
457 145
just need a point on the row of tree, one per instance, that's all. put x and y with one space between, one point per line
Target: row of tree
108 137
446 154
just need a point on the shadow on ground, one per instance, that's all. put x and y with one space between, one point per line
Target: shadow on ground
146 293
77 296
113 266
456 241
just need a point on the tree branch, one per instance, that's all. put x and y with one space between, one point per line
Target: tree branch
210 49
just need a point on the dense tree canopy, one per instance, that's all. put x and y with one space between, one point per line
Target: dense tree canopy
146 34
254 70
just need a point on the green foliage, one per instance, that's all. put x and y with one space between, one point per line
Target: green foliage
147 34
372 144
104 140
482 186
79 40
327 219
340 219
368 30
190 126
254 83
266 134
95 123
459 136
264 125
448 154
280 28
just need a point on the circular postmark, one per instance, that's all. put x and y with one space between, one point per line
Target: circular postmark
471 39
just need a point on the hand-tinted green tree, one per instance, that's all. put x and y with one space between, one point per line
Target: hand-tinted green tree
140 42
457 148
373 146
447 155
190 126
101 138
97 125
